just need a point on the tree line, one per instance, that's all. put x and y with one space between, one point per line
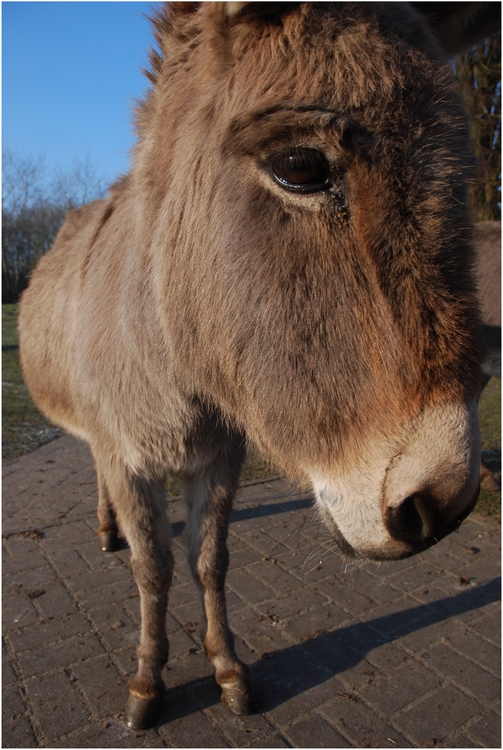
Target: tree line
479 77
34 207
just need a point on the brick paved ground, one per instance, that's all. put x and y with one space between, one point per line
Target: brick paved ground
397 655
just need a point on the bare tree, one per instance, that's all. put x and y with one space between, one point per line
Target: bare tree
34 205
22 181
77 185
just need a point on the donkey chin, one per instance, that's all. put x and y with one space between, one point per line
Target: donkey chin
397 505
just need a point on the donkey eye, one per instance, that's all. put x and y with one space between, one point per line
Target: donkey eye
302 170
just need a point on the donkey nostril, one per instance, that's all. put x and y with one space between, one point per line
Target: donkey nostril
415 519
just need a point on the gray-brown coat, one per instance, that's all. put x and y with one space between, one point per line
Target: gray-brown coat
288 262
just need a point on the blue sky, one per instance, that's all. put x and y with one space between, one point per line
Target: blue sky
70 74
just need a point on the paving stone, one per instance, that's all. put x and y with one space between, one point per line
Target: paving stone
65 534
181 644
8 674
331 651
182 571
305 625
286 533
109 733
273 739
12 703
287 694
437 716
463 672
59 655
290 604
132 609
273 575
486 729
43 634
126 661
25 555
397 689
480 651
426 632
33 581
67 561
19 733
286 712
56 706
311 567
461 599
360 674
461 740
363 637
258 633
235 543
301 734
103 687
345 597
365 583
247 587
263 544
243 556
239 731
183 594
391 571
411 577
388 655
114 626
191 667
183 724
191 612
95 559
98 590
92 580
363 728
18 610
55 601
488 624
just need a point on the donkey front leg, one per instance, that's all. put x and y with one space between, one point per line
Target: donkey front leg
210 503
140 508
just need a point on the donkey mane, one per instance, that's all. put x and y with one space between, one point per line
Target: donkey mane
181 28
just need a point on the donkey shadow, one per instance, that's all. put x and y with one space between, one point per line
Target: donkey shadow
248 513
284 674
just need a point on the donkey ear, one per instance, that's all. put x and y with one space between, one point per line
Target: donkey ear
234 9
255 9
458 26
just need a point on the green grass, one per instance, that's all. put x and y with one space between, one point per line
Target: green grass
24 428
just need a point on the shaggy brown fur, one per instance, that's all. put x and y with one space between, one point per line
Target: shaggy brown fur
205 301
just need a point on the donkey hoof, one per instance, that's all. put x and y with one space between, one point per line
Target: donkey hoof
238 698
142 713
108 540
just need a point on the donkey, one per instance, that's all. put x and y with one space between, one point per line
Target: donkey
289 263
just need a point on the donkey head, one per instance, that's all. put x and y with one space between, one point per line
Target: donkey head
301 174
